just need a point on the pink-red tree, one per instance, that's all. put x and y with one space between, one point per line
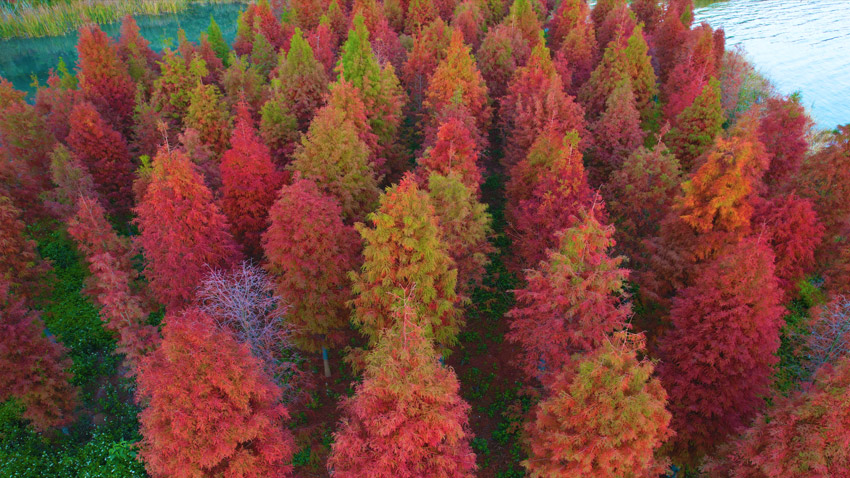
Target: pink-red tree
783 130
406 419
33 368
181 230
571 302
309 255
104 152
211 410
104 78
547 191
249 183
21 269
454 151
718 359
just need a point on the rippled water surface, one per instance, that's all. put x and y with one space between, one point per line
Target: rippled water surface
800 45
22 57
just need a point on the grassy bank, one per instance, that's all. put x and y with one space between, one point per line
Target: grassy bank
29 19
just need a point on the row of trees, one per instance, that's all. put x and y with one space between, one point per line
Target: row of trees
291 151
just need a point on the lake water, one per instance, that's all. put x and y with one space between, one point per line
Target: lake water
22 57
800 45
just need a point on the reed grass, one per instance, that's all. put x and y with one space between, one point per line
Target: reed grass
25 19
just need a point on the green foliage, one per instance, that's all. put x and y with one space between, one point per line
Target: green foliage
216 39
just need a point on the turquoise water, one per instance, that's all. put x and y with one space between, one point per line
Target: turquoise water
800 45
20 58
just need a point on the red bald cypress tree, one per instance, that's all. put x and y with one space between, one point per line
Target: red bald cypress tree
430 44
258 18
25 146
406 419
181 229
571 302
249 183
802 436
112 283
33 368
627 58
468 18
136 53
104 78
419 13
640 194
309 254
546 191
791 228
692 72
696 127
605 418
465 225
55 101
648 12
21 269
523 15
454 151
535 102
104 152
457 80
502 52
405 248
672 34
783 129
619 21
573 39
718 359
303 80
323 40
616 134
210 407
715 209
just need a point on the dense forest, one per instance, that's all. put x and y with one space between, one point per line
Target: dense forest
423 238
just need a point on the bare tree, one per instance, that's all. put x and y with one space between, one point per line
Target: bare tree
830 333
243 301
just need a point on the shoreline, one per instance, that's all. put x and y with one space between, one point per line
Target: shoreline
59 18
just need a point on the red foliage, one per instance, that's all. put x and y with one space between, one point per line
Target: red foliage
546 191
648 12
323 41
604 419
104 78
110 285
249 183
783 131
536 102
55 102
258 18
573 39
210 408
21 269
136 53
571 302
692 72
468 18
454 151
430 44
802 436
104 153
719 357
502 51
181 230
406 419
618 22
672 34
33 368
309 251
791 228
616 134
25 146
307 13
640 194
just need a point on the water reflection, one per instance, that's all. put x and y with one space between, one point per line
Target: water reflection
20 58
